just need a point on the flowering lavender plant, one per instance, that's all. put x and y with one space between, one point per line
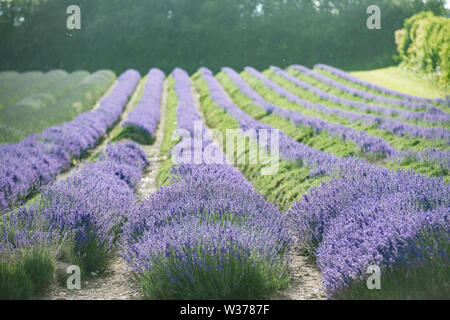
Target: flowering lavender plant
36 160
145 116
397 234
369 216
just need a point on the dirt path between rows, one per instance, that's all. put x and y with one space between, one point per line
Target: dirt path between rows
118 283
306 278
149 184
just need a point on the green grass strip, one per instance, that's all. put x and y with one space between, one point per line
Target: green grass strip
170 124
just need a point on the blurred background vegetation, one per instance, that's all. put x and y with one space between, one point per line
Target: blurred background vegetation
424 45
119 34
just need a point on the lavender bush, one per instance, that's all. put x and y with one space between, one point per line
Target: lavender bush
28 252
95 219
208 235
36 160
408 242
82 214
142 121
224 260
371 215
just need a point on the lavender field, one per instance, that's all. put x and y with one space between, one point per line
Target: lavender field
134 181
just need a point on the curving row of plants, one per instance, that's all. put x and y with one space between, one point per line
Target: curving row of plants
15 94
391 95
35 161
393 126
141 123
432 162
292 180
309 79
367 143
75 221
366 215
18 80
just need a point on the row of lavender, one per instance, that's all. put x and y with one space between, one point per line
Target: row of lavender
290 149
367 142
209 234
35 161
434 115
393 126
396 220
146 114
76 220
385 91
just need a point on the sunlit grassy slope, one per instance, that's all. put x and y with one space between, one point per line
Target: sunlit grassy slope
399 79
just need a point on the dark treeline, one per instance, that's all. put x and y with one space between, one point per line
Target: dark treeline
119 34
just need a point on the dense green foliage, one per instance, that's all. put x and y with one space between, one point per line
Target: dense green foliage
425 283
190 34
423 45
27 275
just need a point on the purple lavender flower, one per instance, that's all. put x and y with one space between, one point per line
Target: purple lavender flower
36 160
146 114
